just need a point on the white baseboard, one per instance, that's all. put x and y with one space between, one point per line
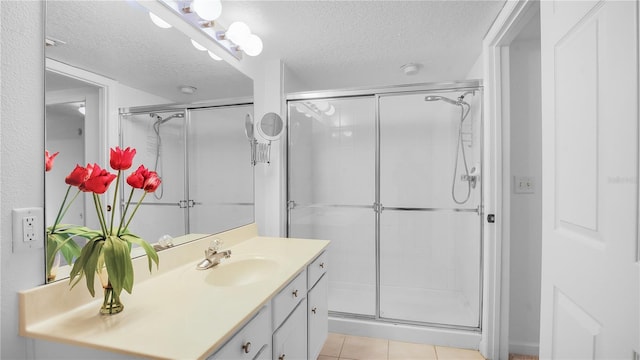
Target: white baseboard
524 348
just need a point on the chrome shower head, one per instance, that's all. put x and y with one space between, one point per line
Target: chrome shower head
437 98
160 120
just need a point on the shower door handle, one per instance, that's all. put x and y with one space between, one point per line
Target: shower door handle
377 207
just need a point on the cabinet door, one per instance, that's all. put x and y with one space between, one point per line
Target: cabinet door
317 315
290 341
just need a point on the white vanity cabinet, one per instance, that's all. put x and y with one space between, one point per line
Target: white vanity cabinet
289 320
251 342
292 326
317 306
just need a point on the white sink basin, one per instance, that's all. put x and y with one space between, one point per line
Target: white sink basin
241 272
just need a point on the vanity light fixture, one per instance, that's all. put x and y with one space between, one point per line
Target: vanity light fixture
240 34
158 21
253 45
207 9
201 13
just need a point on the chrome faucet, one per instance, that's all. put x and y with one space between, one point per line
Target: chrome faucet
212 256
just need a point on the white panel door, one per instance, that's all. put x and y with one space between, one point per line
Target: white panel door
590 193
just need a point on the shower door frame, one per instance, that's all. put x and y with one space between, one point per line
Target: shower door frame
377 207
186 110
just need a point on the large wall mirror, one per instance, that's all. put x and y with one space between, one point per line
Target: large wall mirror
106 56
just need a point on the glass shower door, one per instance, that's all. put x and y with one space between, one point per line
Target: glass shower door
332 191
221 197
429 244
159 139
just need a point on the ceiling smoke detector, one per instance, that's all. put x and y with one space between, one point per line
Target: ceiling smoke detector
188 90
411 68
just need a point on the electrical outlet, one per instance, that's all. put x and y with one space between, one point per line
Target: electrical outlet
28 229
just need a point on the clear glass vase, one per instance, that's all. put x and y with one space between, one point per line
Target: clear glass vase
53 268
111 304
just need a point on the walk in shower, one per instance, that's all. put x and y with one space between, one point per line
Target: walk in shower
393 178
204 160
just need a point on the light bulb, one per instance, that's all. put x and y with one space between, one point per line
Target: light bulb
322 105
159 22
198 46
207 9
238 32
331 111
214 56
82 109
252 46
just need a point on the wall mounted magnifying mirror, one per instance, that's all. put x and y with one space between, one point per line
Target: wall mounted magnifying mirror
270 127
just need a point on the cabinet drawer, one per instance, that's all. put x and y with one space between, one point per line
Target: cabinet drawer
288 298
316 269
249 341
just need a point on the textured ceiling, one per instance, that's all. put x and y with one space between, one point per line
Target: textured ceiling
324 44
344 44
117 39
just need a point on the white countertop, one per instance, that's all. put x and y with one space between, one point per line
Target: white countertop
175 313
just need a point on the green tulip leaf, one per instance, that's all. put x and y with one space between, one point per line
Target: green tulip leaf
152 255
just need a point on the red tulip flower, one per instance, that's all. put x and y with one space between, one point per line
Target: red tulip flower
48 160
79 175
144 179
121 159
152 182
136 179
98 181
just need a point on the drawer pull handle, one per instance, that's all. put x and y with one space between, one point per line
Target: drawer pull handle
247 347
322 265
314 310
281 357
295 293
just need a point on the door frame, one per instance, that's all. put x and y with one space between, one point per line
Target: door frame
511 20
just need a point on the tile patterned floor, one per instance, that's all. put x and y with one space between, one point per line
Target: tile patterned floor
348 347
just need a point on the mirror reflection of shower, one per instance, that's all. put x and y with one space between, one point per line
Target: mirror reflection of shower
470 176
158 161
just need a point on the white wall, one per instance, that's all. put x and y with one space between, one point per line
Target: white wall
270 179
476 71
22 143
526 209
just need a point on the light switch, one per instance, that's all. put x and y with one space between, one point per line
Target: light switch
524 184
